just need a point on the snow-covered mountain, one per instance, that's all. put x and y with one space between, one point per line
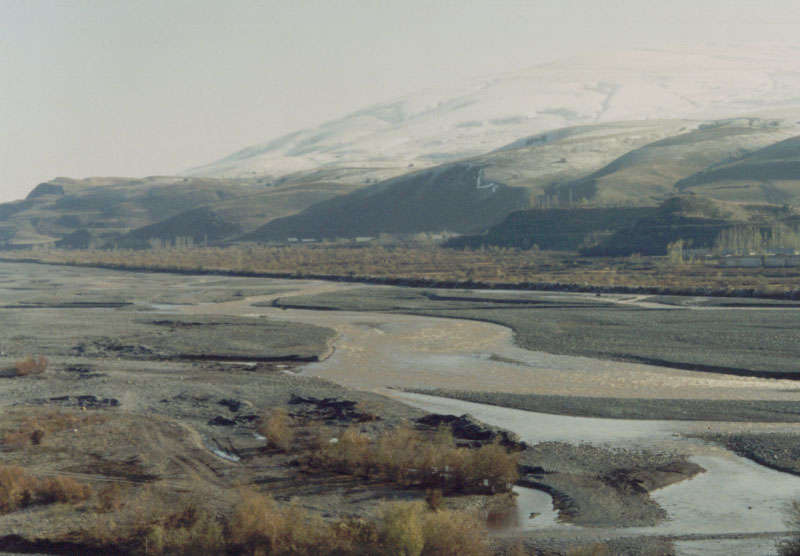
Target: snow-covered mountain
473 117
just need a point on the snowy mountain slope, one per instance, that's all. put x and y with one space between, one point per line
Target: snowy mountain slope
650 173
479 115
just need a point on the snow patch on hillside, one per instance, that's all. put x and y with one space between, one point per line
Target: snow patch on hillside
476 116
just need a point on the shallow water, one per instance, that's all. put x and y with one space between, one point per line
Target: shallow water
733 496
533 509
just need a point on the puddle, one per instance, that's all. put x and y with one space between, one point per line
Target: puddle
533 509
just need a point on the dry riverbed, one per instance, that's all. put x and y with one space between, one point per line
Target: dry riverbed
176 368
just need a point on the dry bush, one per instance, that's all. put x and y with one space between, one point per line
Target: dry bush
276 426
349 454
597 549
401 528
258 526
405 457
111 497
17 439
454 533
17 489
34 429
63 489
518 550
492 466
434 498
31 366
191 531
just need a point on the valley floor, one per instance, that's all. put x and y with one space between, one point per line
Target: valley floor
176 368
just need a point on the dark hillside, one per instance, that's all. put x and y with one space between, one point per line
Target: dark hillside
202 225
451 197
553 229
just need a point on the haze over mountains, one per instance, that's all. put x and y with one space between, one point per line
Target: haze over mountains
621 129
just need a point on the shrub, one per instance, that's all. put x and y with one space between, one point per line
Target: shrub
33 430
350 454
17 488
191 531
454 533
31 366
434 498
404 457
63 489
276 425
597 549
111 497
401 529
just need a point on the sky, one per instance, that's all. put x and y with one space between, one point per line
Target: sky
153 87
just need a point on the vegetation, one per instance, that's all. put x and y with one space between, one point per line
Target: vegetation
259 526
19 489
33 430
754 239
405 457
31 366
506 267
275 425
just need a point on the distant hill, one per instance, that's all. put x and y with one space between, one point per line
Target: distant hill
771 174
695 220
200 226
623 164
650 173
621 129
475 116
452 197
553 229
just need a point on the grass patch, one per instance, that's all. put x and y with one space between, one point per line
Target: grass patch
36 428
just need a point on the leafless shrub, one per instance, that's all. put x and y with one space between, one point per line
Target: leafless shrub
33 430
400 529
454 533
17 488
276 426
62 489
596 549
111 497
31 366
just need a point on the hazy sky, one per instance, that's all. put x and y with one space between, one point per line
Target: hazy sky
143 87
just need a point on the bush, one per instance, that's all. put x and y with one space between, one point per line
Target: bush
63 489
404 457
111 497
454 533
401 529
17 488
31 366
33 430
597 549
276 426
190 532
